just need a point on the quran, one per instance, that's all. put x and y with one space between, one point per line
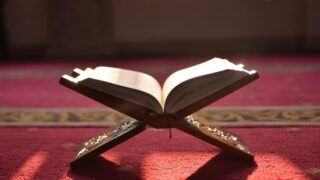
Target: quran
145 102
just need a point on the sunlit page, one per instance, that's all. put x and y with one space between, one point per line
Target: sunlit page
208 67
127 78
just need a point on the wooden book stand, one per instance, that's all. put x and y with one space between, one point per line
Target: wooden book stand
130 127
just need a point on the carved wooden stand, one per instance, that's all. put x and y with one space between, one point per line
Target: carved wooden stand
130 127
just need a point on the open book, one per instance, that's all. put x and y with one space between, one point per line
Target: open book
184 92
140 96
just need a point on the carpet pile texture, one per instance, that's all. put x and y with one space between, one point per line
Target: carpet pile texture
287 92
280 153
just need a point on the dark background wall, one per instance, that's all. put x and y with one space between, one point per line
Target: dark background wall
98 28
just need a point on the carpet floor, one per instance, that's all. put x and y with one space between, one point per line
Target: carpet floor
286 96
43 153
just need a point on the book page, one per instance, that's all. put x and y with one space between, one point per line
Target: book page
132 79
125 78
212 66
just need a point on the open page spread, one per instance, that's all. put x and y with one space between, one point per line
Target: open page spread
181 89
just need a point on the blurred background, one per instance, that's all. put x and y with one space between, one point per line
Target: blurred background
105 28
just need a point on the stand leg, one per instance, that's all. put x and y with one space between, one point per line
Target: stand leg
223 139
110 138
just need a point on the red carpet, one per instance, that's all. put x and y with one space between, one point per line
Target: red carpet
43 153
281 152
